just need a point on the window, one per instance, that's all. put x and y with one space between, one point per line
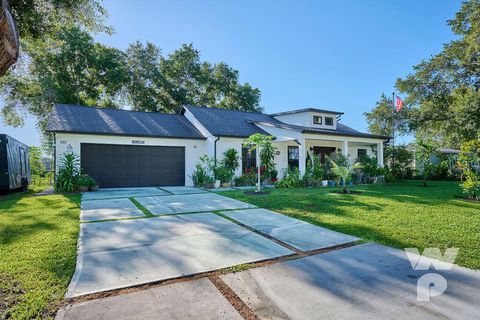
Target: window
293 156
248 158
317 120
361 153
328 121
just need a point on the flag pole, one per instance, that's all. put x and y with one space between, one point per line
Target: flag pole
393 130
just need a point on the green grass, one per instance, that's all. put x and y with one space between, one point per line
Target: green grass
38 237
140 206
401 214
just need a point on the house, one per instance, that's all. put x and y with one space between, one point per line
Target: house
122 148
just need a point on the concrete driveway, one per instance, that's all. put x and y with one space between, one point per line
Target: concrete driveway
329 273
121 246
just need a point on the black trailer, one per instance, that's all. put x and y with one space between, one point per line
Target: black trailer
14 164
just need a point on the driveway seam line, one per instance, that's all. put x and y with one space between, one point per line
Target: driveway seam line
232 298
279 242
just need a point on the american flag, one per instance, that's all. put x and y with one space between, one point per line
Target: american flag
399 104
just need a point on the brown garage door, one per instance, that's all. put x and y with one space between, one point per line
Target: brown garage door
133 166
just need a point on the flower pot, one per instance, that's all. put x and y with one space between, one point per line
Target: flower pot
324 183
95 187
83 188
217 184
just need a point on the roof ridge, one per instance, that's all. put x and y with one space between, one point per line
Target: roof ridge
113 109
215 108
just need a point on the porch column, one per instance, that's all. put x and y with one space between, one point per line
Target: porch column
345 149
380 154
302 156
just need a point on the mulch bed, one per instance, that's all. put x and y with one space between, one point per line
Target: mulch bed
256 193
349 192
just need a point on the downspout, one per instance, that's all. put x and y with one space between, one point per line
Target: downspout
215 157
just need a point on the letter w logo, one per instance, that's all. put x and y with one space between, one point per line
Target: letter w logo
431 256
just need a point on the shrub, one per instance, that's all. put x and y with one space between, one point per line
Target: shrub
292 179
84 180
370 166
223 174
248 178
403 168
67 177
469 161
202 175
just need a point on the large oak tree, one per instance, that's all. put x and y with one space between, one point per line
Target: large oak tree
443 93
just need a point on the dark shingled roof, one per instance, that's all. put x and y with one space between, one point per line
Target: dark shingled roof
233 123
82 119
229 123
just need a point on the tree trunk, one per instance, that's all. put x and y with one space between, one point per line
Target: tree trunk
9 42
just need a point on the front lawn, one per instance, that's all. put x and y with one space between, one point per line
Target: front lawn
38 237
401 214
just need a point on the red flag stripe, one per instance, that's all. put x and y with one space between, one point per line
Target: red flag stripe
399 104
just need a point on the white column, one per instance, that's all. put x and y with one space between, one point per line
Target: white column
345 149
380 154
302 156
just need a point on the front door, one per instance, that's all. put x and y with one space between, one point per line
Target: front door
323 152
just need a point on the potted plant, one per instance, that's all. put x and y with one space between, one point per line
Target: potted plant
84 182
224 176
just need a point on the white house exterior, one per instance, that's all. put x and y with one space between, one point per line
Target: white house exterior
121 148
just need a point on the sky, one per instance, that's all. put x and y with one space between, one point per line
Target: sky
338 55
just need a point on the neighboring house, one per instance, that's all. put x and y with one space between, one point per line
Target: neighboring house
451 155
121 148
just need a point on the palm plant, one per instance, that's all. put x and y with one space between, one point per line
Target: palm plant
344 172
424 152
67 177
231 161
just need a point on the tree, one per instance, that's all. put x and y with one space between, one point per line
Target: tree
37 20
381 119
257 141
424 152
165 84
70 69
443 92
40 19
37 167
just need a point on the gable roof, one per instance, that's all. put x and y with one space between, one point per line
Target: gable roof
229 123
83 119
305 110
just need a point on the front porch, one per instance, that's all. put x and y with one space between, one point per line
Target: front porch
293 152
